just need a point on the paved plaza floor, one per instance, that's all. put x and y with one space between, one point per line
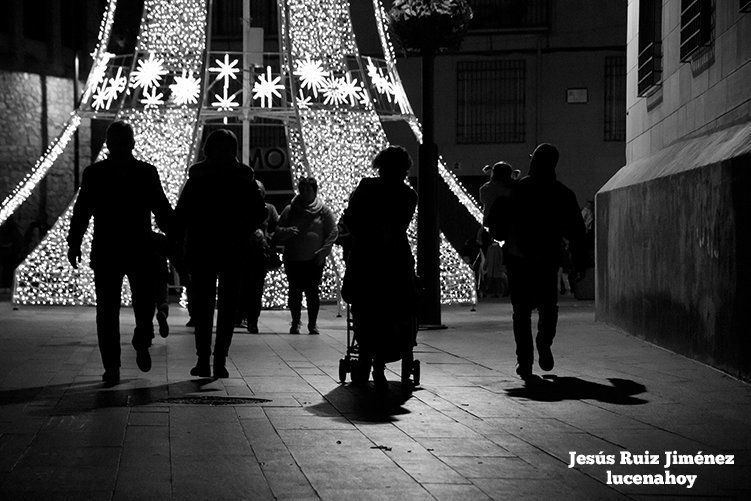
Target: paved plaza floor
472 430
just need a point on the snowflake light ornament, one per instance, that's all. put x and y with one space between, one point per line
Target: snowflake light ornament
332 91
312 75
148 73
226 69
382 84
100 97
186 89
350 89
151 98
303 101
99 71
267 88
225 102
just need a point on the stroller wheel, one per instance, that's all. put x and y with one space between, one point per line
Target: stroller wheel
416 372
343 370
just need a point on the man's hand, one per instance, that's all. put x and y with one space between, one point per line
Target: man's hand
74 256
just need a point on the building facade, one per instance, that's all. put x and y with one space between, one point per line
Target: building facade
673 234
529 72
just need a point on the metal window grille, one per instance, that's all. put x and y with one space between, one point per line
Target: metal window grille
615 98
510 14
649 71
696 26
745 5
490 101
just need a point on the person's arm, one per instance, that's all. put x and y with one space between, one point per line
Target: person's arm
82 211
575 233
160 206
283 231
329 234
180 216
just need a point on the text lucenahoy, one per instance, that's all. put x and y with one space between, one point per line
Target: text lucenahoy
666 460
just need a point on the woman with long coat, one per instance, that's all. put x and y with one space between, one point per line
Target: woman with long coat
379 282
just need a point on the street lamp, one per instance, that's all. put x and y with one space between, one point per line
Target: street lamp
425 27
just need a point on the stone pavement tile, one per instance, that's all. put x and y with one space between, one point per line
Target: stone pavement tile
435 424
148 419
483 403
85 457
493 467
426 468
454 492
225 477
560 445
286 480
266 444
443 447
639 440
417 493
47 495
333 440
59 478
12 448
535 489
309 422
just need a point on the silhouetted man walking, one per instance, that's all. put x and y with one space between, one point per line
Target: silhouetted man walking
216 216
541 213
121 193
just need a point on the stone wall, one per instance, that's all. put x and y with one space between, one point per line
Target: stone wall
22 142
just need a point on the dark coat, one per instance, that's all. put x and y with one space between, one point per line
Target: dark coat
217 213
121 194
380 265
539 214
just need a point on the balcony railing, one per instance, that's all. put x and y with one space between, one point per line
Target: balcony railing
650 69
510 15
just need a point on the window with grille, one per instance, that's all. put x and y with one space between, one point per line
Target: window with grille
490 101
510 14
696 26
615 98
649 71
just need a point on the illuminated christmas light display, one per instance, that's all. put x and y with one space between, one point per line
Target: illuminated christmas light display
333 129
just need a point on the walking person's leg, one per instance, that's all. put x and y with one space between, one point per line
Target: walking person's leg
108 282
256 301
141 278
547 300
203 286
161 295
228 302
295 295
522 303
312 294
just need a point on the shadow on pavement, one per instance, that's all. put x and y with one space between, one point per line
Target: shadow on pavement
364 403
64 399
551 388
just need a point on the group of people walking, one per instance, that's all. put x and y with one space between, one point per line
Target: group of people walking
222 235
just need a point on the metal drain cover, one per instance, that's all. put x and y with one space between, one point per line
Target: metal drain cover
214 400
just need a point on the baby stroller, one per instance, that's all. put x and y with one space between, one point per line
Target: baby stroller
351 361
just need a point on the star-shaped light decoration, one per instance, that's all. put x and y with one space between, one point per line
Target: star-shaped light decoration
186 89
312 75
267 88
99 71
303 101
332 91
350 89
151 98
364 98
148 73
225 102
225 69
382 84
100 97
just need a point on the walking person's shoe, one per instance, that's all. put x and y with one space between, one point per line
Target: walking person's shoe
545 356
220 371
202 368
294 328
161 319
253 328
111 376
143 359
313 329
524 371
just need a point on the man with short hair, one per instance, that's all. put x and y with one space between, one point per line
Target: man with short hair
121 193
541 212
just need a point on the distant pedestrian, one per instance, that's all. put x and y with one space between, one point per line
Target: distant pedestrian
307 229
498 185
379 281
216 216
121 193
541 214
263 259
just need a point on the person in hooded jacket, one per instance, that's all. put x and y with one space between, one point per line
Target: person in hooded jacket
216 217
540 213
307 230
